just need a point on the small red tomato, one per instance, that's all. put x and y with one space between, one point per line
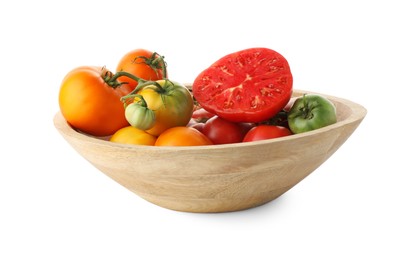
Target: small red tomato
222 131
290 104
199 126
263 132
202 115
245 127
194 124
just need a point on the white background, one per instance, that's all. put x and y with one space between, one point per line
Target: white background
363 203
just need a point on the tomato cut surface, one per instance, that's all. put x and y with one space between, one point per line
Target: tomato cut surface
251 85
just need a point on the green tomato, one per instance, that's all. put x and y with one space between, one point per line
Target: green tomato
172 103
310 112
162 104
139 116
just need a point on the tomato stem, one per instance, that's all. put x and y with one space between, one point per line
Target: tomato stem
108 77
142 101
306 109
114 78
140 86
146 83
278 119
155 62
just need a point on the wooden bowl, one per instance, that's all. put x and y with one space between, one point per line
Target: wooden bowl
217 178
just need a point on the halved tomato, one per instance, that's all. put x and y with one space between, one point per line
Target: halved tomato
251 85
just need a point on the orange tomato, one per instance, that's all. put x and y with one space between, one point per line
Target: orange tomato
132 135
182 136
143 64
90 104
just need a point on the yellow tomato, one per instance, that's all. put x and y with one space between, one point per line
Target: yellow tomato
172 103
132 135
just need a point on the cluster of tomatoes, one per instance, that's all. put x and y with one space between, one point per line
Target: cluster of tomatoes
223 131
244 96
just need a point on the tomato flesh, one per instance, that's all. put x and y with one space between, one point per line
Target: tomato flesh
251 85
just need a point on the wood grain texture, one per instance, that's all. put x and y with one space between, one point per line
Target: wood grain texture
217 178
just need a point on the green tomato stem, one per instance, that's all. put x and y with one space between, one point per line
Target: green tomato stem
107 76
142 101
111 79
140 86
129 75
162 63
305 110
155 62
133 96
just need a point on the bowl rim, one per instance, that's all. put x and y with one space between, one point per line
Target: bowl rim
358 112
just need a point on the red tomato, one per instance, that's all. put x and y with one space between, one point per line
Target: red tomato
141 63
202 115
222 131
289 104
251 85
90 104
195 124
198 126
182 136
263 132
